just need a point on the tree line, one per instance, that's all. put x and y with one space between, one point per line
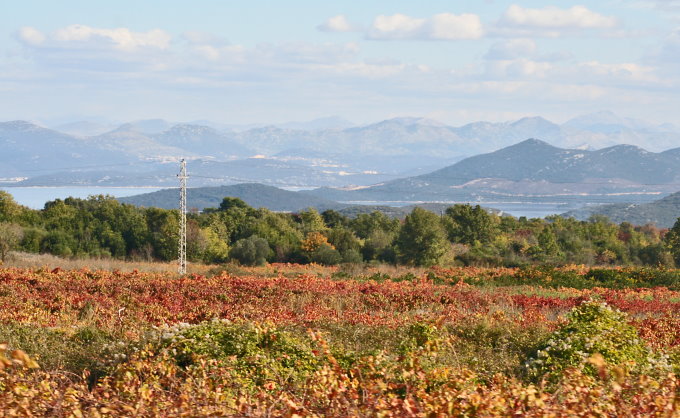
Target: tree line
100 226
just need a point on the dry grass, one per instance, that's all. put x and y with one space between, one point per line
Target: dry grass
29 260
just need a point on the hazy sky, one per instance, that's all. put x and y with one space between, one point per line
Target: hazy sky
274 61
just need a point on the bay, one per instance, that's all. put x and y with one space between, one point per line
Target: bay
36 197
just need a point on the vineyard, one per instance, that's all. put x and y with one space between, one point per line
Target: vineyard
286 339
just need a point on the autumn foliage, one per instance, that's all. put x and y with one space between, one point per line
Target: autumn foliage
310 340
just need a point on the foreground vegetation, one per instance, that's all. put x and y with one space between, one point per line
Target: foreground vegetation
462 235
311 340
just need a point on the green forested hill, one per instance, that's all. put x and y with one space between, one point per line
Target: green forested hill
663 212
255 195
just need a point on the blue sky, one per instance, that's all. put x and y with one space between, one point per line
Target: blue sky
273 61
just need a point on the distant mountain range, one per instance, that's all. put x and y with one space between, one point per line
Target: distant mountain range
534 170
400 159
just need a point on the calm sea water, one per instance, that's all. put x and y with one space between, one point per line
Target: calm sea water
36 197
517 209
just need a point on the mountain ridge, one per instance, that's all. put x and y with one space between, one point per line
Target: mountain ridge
533 165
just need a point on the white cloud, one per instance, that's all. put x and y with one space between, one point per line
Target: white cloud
397 26
450 26
513 73
443 26
86 37
338 23
518 68
120 38
617 72
553 22
551 17
31 36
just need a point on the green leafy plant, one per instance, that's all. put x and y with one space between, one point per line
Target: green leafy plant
257 352
594 333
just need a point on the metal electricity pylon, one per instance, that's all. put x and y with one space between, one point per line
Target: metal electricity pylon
182 217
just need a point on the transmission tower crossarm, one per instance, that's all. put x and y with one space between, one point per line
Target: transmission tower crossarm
182 250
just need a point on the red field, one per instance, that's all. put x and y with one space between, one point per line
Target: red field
406 345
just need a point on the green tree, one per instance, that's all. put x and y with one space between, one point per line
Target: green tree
163 227
378 246
251 251
343 240
672 241
32 240
548 242
10 237
216 250
311 221
335 219
233 202
466 224
10 210
59 243
279 231
367 223
326 255
422 239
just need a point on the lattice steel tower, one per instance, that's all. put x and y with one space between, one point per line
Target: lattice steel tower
182 217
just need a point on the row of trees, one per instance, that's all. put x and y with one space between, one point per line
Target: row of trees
102 227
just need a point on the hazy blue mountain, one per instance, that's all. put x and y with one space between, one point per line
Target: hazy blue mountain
387 138
30 149
139 146
606 122
603 129
319 124
325 153
147 126
84 128
179 141
203 141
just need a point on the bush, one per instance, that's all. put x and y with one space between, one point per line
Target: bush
258 353
326 255
592 330
73 350
352 257
251 251
420 336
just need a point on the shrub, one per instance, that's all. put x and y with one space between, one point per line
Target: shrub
73 350
326 255
251 251
257 352
352 257
420 336
592 330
